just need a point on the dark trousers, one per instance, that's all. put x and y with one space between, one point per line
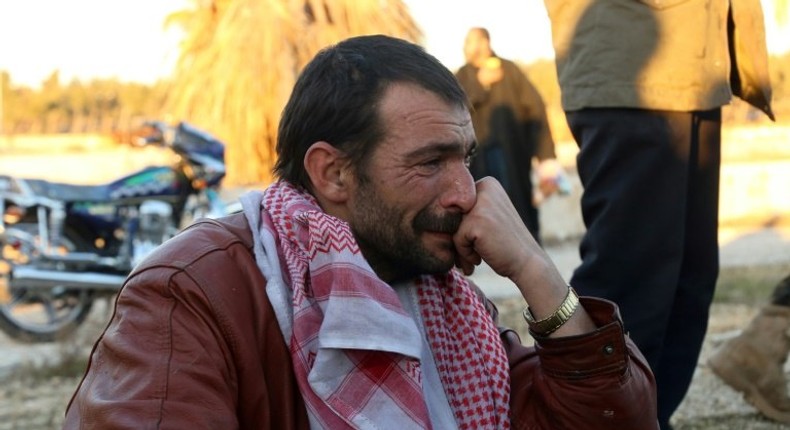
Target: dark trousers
650 205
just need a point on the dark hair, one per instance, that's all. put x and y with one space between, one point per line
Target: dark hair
336 97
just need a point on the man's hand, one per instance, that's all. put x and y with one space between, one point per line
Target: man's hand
493 232
549 171
490 72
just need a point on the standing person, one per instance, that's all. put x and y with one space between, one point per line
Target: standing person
753 362
332 301
511 126
642 86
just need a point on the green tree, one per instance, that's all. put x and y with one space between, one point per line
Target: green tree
239 60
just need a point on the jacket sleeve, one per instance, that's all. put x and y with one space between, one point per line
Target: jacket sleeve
193 344
596 381
750 79
158 364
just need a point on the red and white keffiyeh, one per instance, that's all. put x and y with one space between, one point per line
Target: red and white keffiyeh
353 345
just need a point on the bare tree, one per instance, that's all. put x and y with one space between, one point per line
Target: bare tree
239 60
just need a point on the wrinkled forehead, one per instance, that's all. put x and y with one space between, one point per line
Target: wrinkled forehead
412 116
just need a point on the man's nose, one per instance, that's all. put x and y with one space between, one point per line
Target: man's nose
460 191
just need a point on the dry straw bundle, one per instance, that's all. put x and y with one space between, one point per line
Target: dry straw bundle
239 60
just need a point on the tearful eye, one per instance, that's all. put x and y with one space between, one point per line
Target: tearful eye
470 156
429 166
432 162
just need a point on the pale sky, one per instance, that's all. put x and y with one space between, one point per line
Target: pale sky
86 39
125 39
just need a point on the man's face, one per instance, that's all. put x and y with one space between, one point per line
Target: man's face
409 201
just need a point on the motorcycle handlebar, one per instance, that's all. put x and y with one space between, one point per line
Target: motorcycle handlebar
183 138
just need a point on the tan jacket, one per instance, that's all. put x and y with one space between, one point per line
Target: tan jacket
660 54
194 343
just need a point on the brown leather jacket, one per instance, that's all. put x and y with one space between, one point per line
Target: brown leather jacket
194 343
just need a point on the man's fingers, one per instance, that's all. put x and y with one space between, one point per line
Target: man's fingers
467 266
466 256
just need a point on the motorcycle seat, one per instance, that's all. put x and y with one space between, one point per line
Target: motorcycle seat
69 192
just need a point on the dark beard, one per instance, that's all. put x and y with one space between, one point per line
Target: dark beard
426 221
394 251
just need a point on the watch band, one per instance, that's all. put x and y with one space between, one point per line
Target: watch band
560 316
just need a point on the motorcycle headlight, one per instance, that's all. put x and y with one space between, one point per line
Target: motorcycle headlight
13 214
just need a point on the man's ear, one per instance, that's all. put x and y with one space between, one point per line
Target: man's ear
326 166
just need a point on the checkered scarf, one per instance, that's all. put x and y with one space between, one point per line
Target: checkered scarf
354 348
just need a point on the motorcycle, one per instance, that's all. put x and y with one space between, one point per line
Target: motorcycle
64 246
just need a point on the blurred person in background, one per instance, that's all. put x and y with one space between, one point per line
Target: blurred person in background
511 126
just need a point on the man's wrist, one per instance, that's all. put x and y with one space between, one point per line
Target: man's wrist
557 319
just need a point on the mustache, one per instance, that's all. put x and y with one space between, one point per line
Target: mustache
427 221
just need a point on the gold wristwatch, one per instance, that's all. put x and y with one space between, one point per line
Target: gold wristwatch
550 324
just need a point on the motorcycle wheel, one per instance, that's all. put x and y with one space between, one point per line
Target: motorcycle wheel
34 316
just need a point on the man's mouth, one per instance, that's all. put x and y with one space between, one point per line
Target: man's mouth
441 234
428 222
437 240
